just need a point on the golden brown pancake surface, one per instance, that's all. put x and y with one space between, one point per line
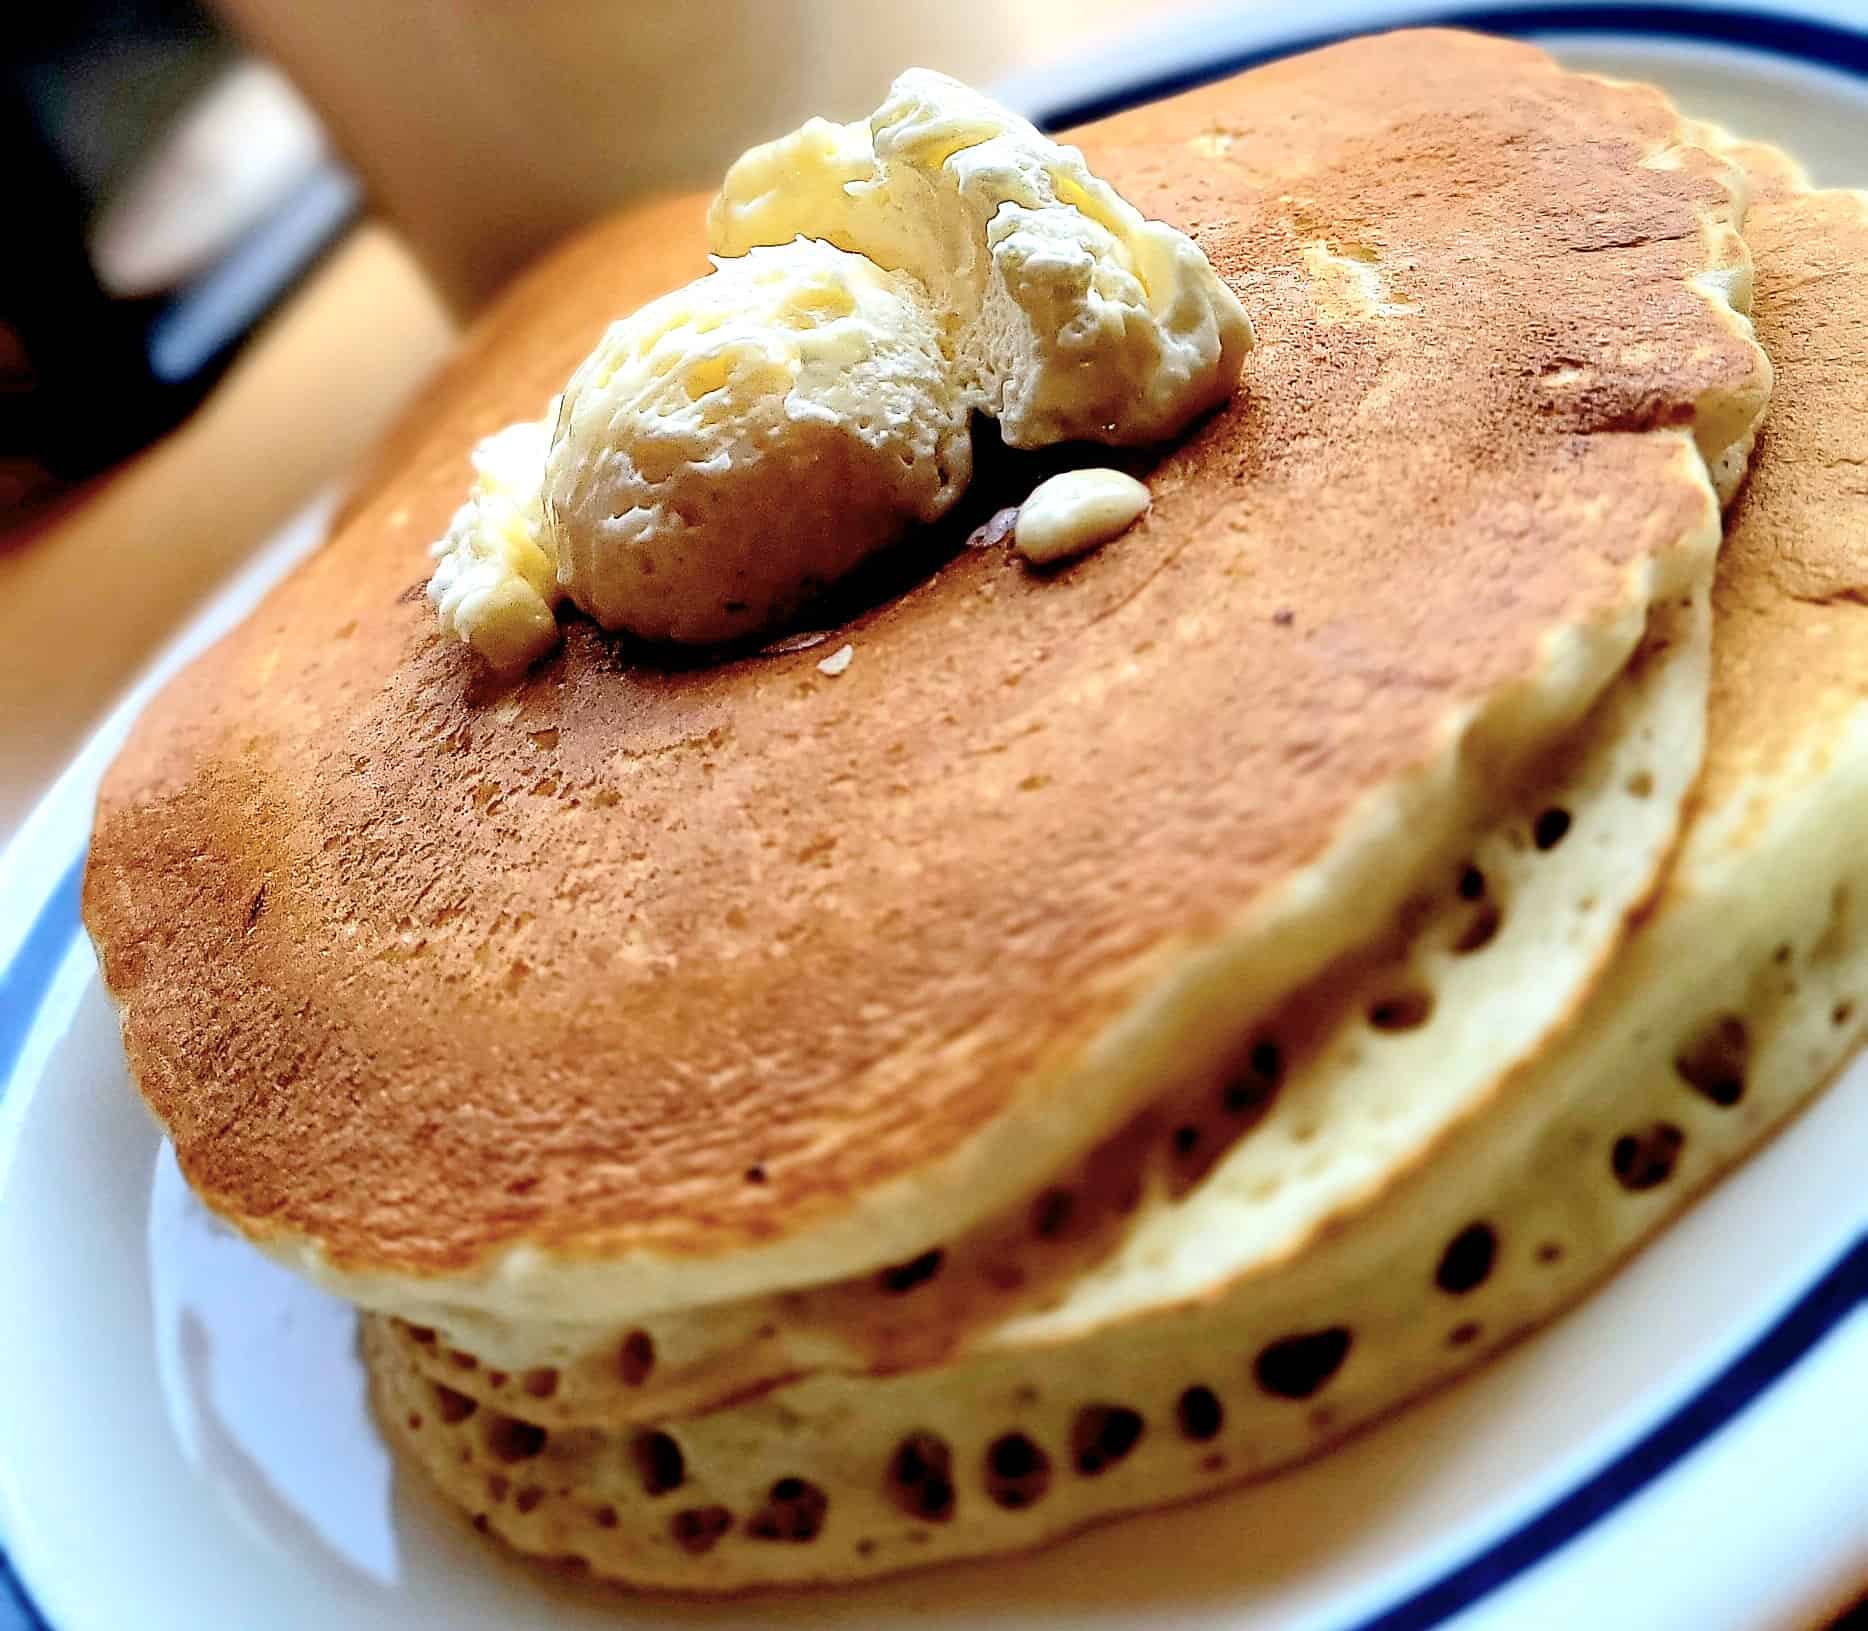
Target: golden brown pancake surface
1788 587
627 958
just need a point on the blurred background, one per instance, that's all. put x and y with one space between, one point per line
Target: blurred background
253 226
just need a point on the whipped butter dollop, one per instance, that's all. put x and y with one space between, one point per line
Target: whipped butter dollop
734 447
495 581
1074 317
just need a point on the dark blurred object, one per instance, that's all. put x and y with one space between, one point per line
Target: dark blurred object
166 191
1853 1619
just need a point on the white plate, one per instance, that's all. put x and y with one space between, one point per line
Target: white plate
183 1439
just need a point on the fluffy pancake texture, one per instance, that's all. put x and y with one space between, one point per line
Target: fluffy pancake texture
1741 989
637 986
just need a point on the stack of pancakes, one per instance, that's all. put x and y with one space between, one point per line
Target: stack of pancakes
1135 1025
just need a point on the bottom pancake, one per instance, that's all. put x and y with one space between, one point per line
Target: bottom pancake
1743 991
837 1480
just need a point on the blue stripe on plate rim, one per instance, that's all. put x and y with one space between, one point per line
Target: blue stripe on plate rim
1794 34
1836 1294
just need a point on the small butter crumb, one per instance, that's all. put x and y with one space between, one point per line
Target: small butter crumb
793 642
1075 512
837 661
994 530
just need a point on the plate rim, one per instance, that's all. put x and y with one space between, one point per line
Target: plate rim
42 866
1829 34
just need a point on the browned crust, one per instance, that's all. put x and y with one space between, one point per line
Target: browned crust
419 972
1788 586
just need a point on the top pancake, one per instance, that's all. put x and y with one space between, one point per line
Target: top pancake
738 975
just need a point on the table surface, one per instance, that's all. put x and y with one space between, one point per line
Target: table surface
89 591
